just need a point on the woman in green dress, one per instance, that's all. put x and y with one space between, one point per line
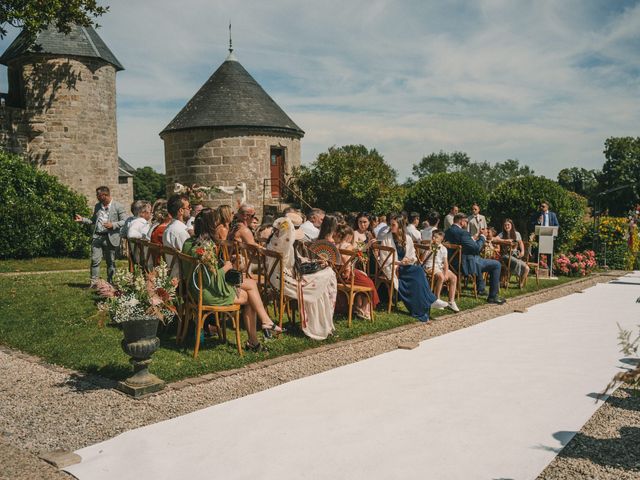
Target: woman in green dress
218 292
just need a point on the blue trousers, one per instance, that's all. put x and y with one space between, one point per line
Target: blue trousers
493 268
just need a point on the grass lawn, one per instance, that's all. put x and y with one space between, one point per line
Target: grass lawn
54 316
43 264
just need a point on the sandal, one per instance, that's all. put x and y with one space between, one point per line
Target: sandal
255 348
268 332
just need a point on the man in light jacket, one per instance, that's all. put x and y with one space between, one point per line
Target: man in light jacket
107 220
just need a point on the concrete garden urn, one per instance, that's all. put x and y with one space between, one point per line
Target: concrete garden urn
140 342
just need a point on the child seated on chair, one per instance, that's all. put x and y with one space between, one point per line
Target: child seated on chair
491 249
440 269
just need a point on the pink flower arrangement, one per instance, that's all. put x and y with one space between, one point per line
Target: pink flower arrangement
575 264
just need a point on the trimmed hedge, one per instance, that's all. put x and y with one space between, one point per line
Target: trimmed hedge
519 199
442 190
37 213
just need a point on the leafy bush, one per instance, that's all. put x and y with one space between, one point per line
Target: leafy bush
616 243
442 190
36 213
575 264
519 199
149 185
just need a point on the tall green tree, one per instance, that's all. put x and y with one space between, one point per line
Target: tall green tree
351 178
149 185
441 162
32 16
579 180
619 182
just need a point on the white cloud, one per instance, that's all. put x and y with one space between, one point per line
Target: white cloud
545 82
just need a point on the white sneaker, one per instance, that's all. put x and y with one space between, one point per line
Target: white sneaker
439 304
453 306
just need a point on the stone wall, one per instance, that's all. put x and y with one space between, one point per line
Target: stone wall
224 158
69 118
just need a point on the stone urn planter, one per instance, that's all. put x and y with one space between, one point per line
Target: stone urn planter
140 342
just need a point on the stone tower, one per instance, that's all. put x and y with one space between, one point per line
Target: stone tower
232 132
60 111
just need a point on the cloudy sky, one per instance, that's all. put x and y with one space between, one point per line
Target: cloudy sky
545 82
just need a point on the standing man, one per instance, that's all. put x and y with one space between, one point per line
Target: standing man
477 222
448 219
472 263
311 227
546 217
107 220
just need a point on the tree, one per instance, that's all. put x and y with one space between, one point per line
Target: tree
519 199
350 178
36 213
579 180
35 15
148 184
442 190
441 162
619 182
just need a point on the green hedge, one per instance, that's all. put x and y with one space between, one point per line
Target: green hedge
36 213
519 199
442 190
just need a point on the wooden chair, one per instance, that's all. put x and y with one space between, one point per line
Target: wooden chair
153 254
426 255
346 278
229 252
533 266
455 264
273 265
385 258
196 310
136 253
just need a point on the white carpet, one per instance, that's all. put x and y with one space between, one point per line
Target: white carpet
493 401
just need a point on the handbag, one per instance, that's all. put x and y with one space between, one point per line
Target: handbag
233 277
307 268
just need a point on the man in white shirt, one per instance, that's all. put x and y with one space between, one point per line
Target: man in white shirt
176 232
412 227
382 226
476 222
433 219
196 209
448 220
139 226
311 227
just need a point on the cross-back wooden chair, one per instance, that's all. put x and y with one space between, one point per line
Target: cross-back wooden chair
196 310
153 254
427 259
533 266
505 272
455 264
385 258
274 267
229 252
346 278
136 254
251 262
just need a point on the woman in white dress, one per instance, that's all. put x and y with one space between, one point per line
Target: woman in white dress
316 293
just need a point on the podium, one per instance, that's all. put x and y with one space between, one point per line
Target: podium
546 236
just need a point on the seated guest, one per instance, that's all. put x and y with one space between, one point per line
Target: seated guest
440 269
448 219
476 222
316 292
161 219
343 239
410 281
433 219
218 292
472 263
381 227
140 226
254 224
327 228
241 232
362 233
265 229
412 227
224 217
194 213
491 248
135 209
311 228
176 232
513 247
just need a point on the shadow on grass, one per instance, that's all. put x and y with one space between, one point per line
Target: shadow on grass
81 286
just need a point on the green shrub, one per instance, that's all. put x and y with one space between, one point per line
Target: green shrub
36 213
519 199
442 190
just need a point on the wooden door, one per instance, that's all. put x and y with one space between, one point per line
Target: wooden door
277 171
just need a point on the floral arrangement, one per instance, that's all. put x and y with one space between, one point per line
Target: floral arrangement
612 230
196 193
134 296
575 264
207 254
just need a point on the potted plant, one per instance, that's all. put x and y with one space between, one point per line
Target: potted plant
139 302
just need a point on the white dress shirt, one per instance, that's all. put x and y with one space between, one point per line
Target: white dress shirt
102 218
414 233
311 232
380 228
427 233
138 228
175 235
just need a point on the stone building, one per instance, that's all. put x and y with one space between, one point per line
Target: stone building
232 132
60 111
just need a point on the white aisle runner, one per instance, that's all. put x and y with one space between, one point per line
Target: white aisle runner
496 400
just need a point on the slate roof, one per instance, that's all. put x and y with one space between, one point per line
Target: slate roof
232 98
125 170
81 42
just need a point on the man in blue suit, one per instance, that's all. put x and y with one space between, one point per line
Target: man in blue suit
472 263
546 217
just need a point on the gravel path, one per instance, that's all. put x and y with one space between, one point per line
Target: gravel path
43 409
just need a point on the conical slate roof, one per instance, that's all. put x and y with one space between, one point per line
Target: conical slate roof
80 42
232 98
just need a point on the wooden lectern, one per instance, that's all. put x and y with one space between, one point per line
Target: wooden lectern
545 243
